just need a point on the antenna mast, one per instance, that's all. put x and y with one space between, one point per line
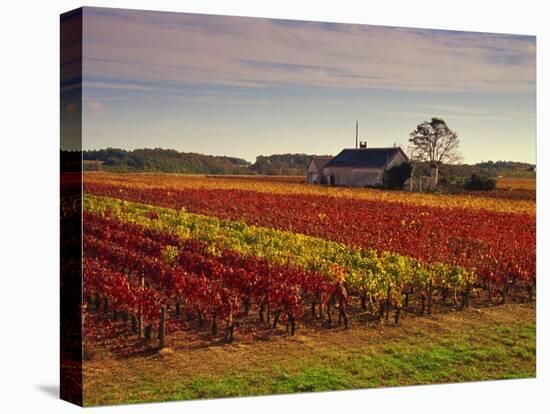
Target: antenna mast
356 134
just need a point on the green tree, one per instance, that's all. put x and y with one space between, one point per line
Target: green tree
434 142
479 183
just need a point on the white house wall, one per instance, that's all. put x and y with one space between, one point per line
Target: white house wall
354 177
313 178
312 168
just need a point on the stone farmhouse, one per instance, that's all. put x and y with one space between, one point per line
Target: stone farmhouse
355 167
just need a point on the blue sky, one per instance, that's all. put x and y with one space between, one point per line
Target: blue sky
246 86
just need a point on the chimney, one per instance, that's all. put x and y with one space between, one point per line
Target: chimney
363 144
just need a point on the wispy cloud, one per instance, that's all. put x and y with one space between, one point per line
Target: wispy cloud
134 48
117 85
458 112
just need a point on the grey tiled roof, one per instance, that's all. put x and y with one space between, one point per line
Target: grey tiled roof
363 157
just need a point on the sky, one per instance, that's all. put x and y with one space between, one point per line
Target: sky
245 87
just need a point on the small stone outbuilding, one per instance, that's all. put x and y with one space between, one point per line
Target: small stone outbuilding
314 169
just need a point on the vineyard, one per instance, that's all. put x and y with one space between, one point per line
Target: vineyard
231 255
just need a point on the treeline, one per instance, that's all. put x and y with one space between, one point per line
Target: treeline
507 168
281 164
457 174
162 160
172 161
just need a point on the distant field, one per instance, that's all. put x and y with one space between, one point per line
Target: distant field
517 183
300 179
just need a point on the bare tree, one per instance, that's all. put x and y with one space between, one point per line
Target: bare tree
434 142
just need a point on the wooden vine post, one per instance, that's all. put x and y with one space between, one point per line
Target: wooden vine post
261 311
342 315
505 288
230 326
291 320
381 310
397 314
97 302
134 325
388 303
214 327
430 295
147 333
466 297
363 300
423 303
162 326
246 306
276 316
140 311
